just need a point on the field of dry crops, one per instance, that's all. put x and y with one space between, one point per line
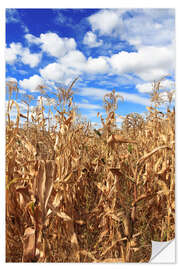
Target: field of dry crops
76 194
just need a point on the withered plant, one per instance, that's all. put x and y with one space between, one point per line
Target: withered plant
74 194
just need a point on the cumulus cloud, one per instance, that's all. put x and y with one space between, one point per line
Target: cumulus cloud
140 27
59 73
147 29
12 52
90 39
97 65
74 59
72 65
88 106
10 56
105 21
32 39
165 96
17 52
135 98
149 63
145 87
98 94
31 59
55 45
151 31
95 93
150 27
52 44
77 61
165 84
53 72
32 83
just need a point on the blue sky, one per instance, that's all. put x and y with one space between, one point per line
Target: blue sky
121 49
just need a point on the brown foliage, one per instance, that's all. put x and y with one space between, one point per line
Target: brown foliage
75 195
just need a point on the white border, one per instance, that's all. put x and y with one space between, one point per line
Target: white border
77 4
2 136
90 4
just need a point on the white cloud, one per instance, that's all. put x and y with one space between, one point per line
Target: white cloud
95 93
59 73
98 94
53 72
72 65
52 44
88 106
77 61
135 98
90 39
145 87
12 52
149 63
13 112
32 39
45 101
74 59
55 45
165 84
85 100
31 59
164 96
11 79
10 56
12 15
153 74
32 83
69 67
140 27
150 27
17 52
25 28
105 21
97 65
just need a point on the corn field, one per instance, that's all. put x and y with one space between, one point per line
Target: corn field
77 194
